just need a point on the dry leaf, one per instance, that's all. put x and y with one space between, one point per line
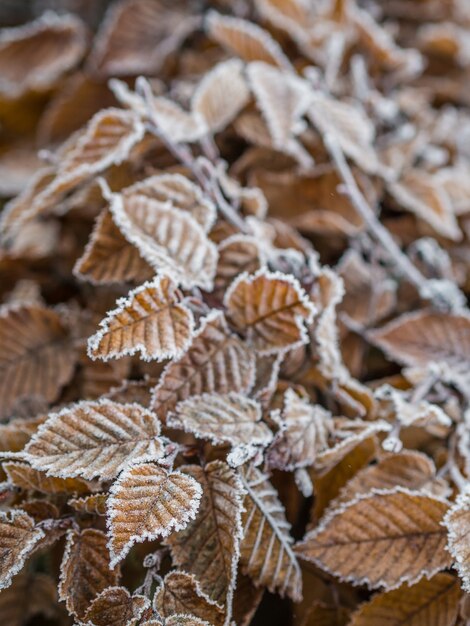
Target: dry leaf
18 538
115 435
271 309
147 502
85 569
217 361
382 539
238 253
116 607
36 358
213 563
266 549
27 597
428 603
25 477
151 319
94 504
457 522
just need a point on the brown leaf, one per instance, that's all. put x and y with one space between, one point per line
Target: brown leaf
222 418
323 615
23 476
170 240
94 439
116 607
266 550
245 39
237 254
109 257
214 562
418 339
381 539
94 504
36 55
181 593
28 596
16 434
151 319
147 502
36 358
457 522
85 570
221 95
246 600
18 538
217 361
271 309
431 602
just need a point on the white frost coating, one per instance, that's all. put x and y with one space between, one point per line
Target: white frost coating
36 534
162 302
66 449
332 513
145 604
457 522
174 524
169 239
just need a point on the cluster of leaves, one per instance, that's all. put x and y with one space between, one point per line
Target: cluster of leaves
234 338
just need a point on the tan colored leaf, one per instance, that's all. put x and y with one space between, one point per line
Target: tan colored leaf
28 596
245 39
457 522
409 468
423 195
431 602
216 362
185 620
222 418
16 434
94 504
177 123
94 439
36 358
271 309
304 432
147 502
85 569
266 550
323 615
237 254
424 337
181 193
18 538
35 56
109 257
181 593
382 539
167 238
151 319
221 95
23 476
137 36
18 163
116 607
208 547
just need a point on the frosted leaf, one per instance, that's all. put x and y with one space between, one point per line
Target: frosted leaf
216 362
213 563
182 592
94 439
381 539
181 193
222 418
245 39
15 434
152 320
266 549
305 431
35 56
270 308
18 538
238 253
116 606
177 123
433 602
170 240
423 194
25 477
147 502
85 570
221 95
36 356
109 257
94 504
457 522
